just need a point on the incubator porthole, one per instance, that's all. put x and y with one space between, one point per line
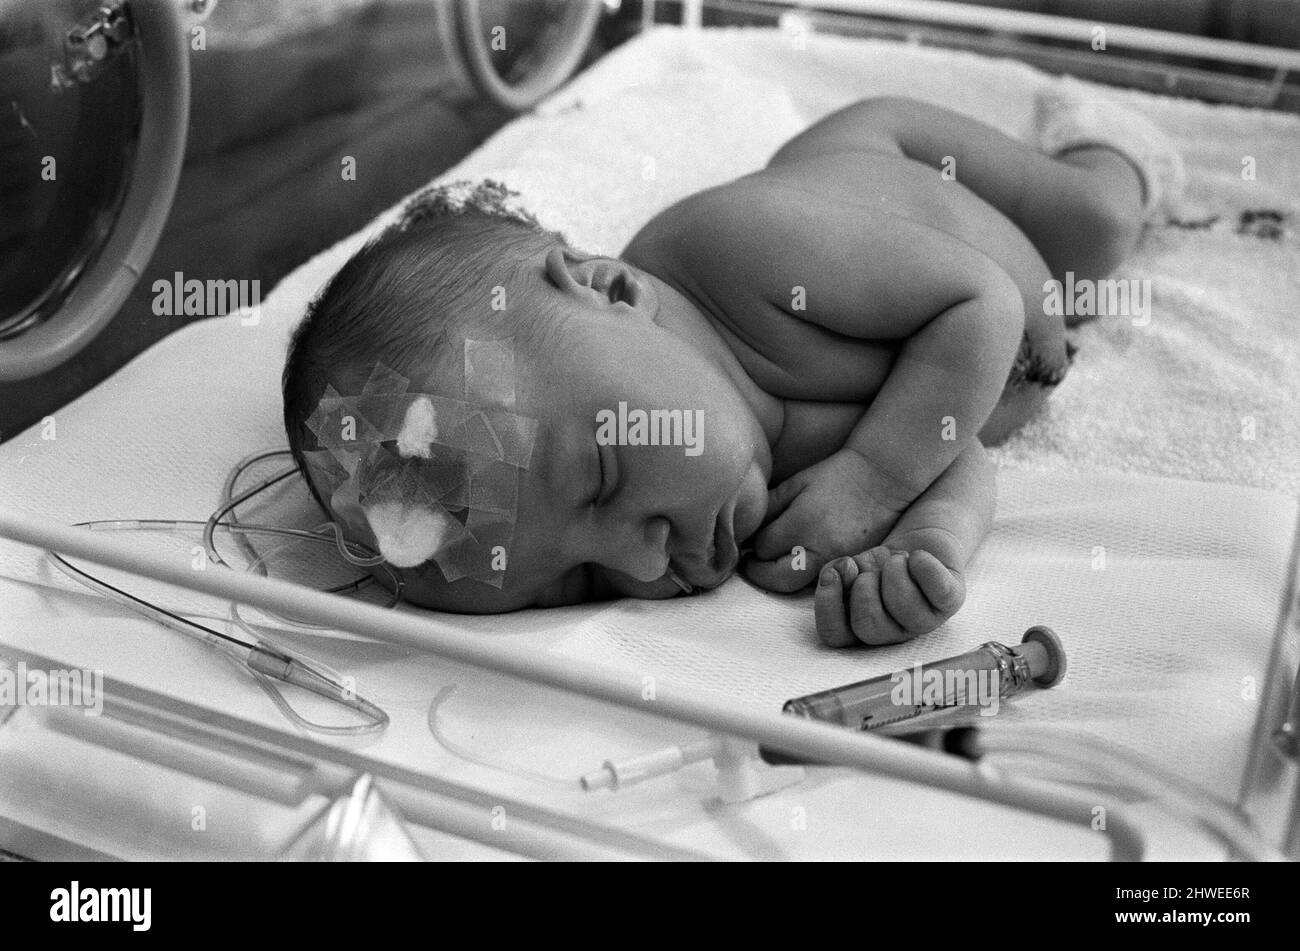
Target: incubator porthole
68 144
93 107
517 51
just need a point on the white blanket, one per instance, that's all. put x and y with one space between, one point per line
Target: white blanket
1163 589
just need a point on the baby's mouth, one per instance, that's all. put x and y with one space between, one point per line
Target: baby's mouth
725 552
710 568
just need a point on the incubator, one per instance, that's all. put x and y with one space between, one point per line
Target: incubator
392 766
93 136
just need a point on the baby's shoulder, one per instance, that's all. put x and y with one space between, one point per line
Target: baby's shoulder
738 253
726 240
672 236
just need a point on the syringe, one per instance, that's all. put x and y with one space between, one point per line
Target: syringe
974 680
991 671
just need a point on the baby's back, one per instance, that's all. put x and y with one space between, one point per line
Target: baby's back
878 183
833 193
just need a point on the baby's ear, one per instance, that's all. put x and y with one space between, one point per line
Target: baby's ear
613 280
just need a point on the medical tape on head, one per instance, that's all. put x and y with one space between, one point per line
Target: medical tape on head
419 476
490 372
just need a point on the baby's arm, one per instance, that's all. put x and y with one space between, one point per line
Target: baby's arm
945 382
914 580
956 316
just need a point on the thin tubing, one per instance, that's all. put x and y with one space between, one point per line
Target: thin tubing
228 491
1185 798
344 546
328 682
812 741
297 668
232 518
229 503
431 720
224 642
169 525
213 520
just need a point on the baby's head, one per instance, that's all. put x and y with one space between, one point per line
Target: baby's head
629 449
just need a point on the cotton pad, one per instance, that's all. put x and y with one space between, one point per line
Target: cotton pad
419 430
407 536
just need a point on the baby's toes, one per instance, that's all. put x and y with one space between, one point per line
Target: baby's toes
942 587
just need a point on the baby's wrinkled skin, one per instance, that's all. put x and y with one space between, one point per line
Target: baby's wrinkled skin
846 319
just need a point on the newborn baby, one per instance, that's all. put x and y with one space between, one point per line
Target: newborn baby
846 327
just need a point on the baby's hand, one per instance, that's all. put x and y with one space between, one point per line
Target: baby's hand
837 507
885 597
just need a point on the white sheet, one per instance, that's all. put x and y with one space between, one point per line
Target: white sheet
1160 640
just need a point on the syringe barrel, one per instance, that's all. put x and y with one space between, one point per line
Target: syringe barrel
961 680
871 703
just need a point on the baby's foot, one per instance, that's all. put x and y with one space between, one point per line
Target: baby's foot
1070 115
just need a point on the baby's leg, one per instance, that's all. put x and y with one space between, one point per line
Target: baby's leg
1082 211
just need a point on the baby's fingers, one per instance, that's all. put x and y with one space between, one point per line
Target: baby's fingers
942 587
785 575
769 542
830 610
903 598
779 537
872 623
884 597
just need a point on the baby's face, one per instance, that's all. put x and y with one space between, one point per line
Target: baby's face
602 510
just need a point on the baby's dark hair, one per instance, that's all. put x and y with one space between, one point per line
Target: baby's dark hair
406 295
